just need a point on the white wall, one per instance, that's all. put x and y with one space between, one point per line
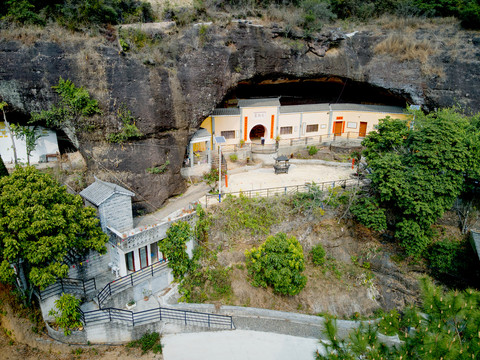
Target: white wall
47 144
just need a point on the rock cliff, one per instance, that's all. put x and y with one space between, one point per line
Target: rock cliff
174 82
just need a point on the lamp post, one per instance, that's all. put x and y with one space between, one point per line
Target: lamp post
219 173
220 140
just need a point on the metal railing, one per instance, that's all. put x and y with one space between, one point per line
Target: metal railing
284 190
158 314
68 285
298 141
124 282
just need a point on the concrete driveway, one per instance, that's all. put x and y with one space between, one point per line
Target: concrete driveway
238 345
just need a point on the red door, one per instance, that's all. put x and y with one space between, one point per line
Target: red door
338 128
363 129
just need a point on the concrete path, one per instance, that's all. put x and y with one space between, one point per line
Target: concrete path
238 345
193 194
298 174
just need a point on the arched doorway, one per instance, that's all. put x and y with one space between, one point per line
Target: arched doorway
257 132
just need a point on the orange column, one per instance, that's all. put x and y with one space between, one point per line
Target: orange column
245 135
273 122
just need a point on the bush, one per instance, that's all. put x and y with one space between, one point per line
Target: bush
67 315
312 150
278 263
318 254
174 247
442 256
149 341
367 211
128 129
255 215
233 157
412 237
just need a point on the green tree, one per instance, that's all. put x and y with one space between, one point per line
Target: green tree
445 327
42 229
278 263
175 248
369 213
29 134
420 172
67 315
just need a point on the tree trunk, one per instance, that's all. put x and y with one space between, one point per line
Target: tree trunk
7 125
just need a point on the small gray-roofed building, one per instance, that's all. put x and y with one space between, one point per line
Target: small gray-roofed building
475 240
288 109
113 203
226 112
369 108
258 102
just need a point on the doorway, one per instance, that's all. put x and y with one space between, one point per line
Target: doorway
363 129
257 132
338 128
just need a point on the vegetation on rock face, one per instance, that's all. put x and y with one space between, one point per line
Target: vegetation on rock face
318 254
128 129
74 106
278 263
42 229
446 326
174 247
66 314
419 173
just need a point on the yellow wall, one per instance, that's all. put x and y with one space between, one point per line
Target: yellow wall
353 119
311 118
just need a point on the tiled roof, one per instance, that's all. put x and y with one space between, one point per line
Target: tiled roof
372 108
226 111
303 108
100 191
258 102
476 242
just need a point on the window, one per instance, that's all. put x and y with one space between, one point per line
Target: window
312 128
143 257
130 262
230 134
153 253
285 130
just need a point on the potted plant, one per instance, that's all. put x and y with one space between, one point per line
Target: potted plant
146 294
131 304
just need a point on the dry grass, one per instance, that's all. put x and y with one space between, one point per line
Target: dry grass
405 47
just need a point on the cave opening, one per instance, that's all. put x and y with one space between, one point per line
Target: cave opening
323 89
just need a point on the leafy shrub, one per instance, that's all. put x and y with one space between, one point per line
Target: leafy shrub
256 215
315 13
174 247
208 280
76 14
412 237
67 315
149 341
233 157
278 263
159 169
128 129
367 211
75 106
211 177
312 150
442 256
310 202
318 254
470 15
